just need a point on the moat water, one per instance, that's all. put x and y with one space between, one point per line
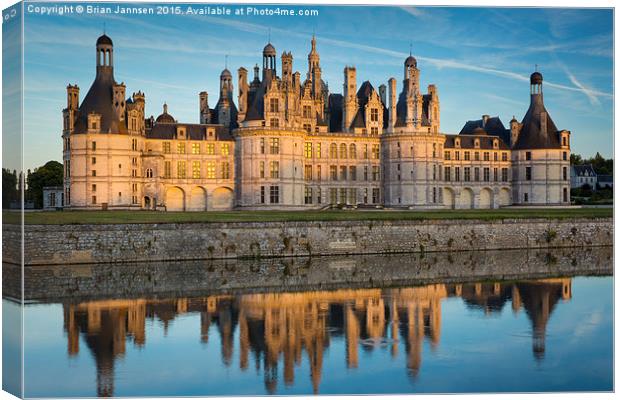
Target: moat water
509 333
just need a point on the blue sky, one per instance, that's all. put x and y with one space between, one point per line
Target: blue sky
480 59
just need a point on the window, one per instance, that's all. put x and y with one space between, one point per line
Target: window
196 169
93 160
374 131
434 195
262 145
181 169
446 155
446 174
307 110
343 173
274 169
528 173
308 172
564 141
504 156
274 194
210 149
94 199
195 148
467 156
434 150
211 170
375 151
307 128
93 187
273 105
166 147
94 172
343 151
365 173
225 170
398 153
261 169
181 148
352 151
353 196
93 146
353 173
333 151
307 195
434 171
374 114
134 187
262 195
274 146
485 156
343 196
476 156
526 197
476 174
565 195
375 195
333 172
274 122
308 150
467 176
318 150
225 149
564 173
318 195
134 173
333 196
495 156
134 144
457 155
375 173
167 169
366 152
564 156
486 174
134 199
504 174
365 200
528 155
495 176
457 174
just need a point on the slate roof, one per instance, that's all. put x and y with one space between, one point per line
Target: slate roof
584 170
334 105
193 131
467 142
605 178
99 99
532 136
493 127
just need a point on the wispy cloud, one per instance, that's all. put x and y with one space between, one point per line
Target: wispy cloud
415 11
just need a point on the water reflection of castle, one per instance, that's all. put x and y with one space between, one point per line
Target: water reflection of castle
279 326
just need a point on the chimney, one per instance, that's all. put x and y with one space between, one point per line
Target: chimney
392 105
382 94
485 118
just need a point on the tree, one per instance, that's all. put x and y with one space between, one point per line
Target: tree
575 159
586 190
50 174
10 192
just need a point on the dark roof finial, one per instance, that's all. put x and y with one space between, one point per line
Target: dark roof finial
410 48
226 61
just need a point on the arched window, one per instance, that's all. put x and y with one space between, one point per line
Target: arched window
333 151
352 151
343 150
149 173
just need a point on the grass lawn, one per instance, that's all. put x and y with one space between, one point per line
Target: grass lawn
115 217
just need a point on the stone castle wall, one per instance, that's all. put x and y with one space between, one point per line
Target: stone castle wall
73 244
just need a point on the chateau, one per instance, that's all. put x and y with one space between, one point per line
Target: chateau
290 143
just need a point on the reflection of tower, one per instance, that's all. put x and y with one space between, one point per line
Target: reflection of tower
352 336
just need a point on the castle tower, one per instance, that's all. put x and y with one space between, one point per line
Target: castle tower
392 105
105 54
269 62
243 93
70 113
287 68
119 100
411 86
314 70
350 98
224 103
540 155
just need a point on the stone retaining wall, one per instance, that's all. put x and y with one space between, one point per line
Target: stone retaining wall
74 244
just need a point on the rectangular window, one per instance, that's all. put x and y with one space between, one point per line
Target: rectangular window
307 195
446 155
495 176
375 151
274 169
195 148
262 145
333 172
318 195
307 128
376 199
318 150
93 187
485 156
446 174
434 195
273 105
374 114
308 172
318 173
225 168
457 155
262 195
565 195
365 173
343 196
274 146
167 169
225 149
353 196
504 156
434 171
307 112
564 173
528 173
308 150
94 199
166 147
211 170
261 169
181 169
343 173
274 122
333 196
564 156
366 152
476 174
274 194
526 197
93 146
476 156
375 173
210 149
495 156
467 156
467 176
196 169
504 174
93 160
94 172
181 148
457 174
134 199
486 175
528 155
374 130
353 173
134 173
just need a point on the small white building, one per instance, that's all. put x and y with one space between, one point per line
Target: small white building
53 197
581 175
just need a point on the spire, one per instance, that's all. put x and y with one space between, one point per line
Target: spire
165 108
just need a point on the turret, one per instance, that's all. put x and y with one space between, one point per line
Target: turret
105 54
119 100
269 61
382 94
243 93
515 127
205 115
314 70
226 90
287 67
73 97
433 108
392 105
350 98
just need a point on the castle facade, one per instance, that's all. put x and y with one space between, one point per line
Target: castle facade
289 143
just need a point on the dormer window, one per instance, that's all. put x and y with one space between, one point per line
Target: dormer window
181 133
495 143
457 142
477 143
